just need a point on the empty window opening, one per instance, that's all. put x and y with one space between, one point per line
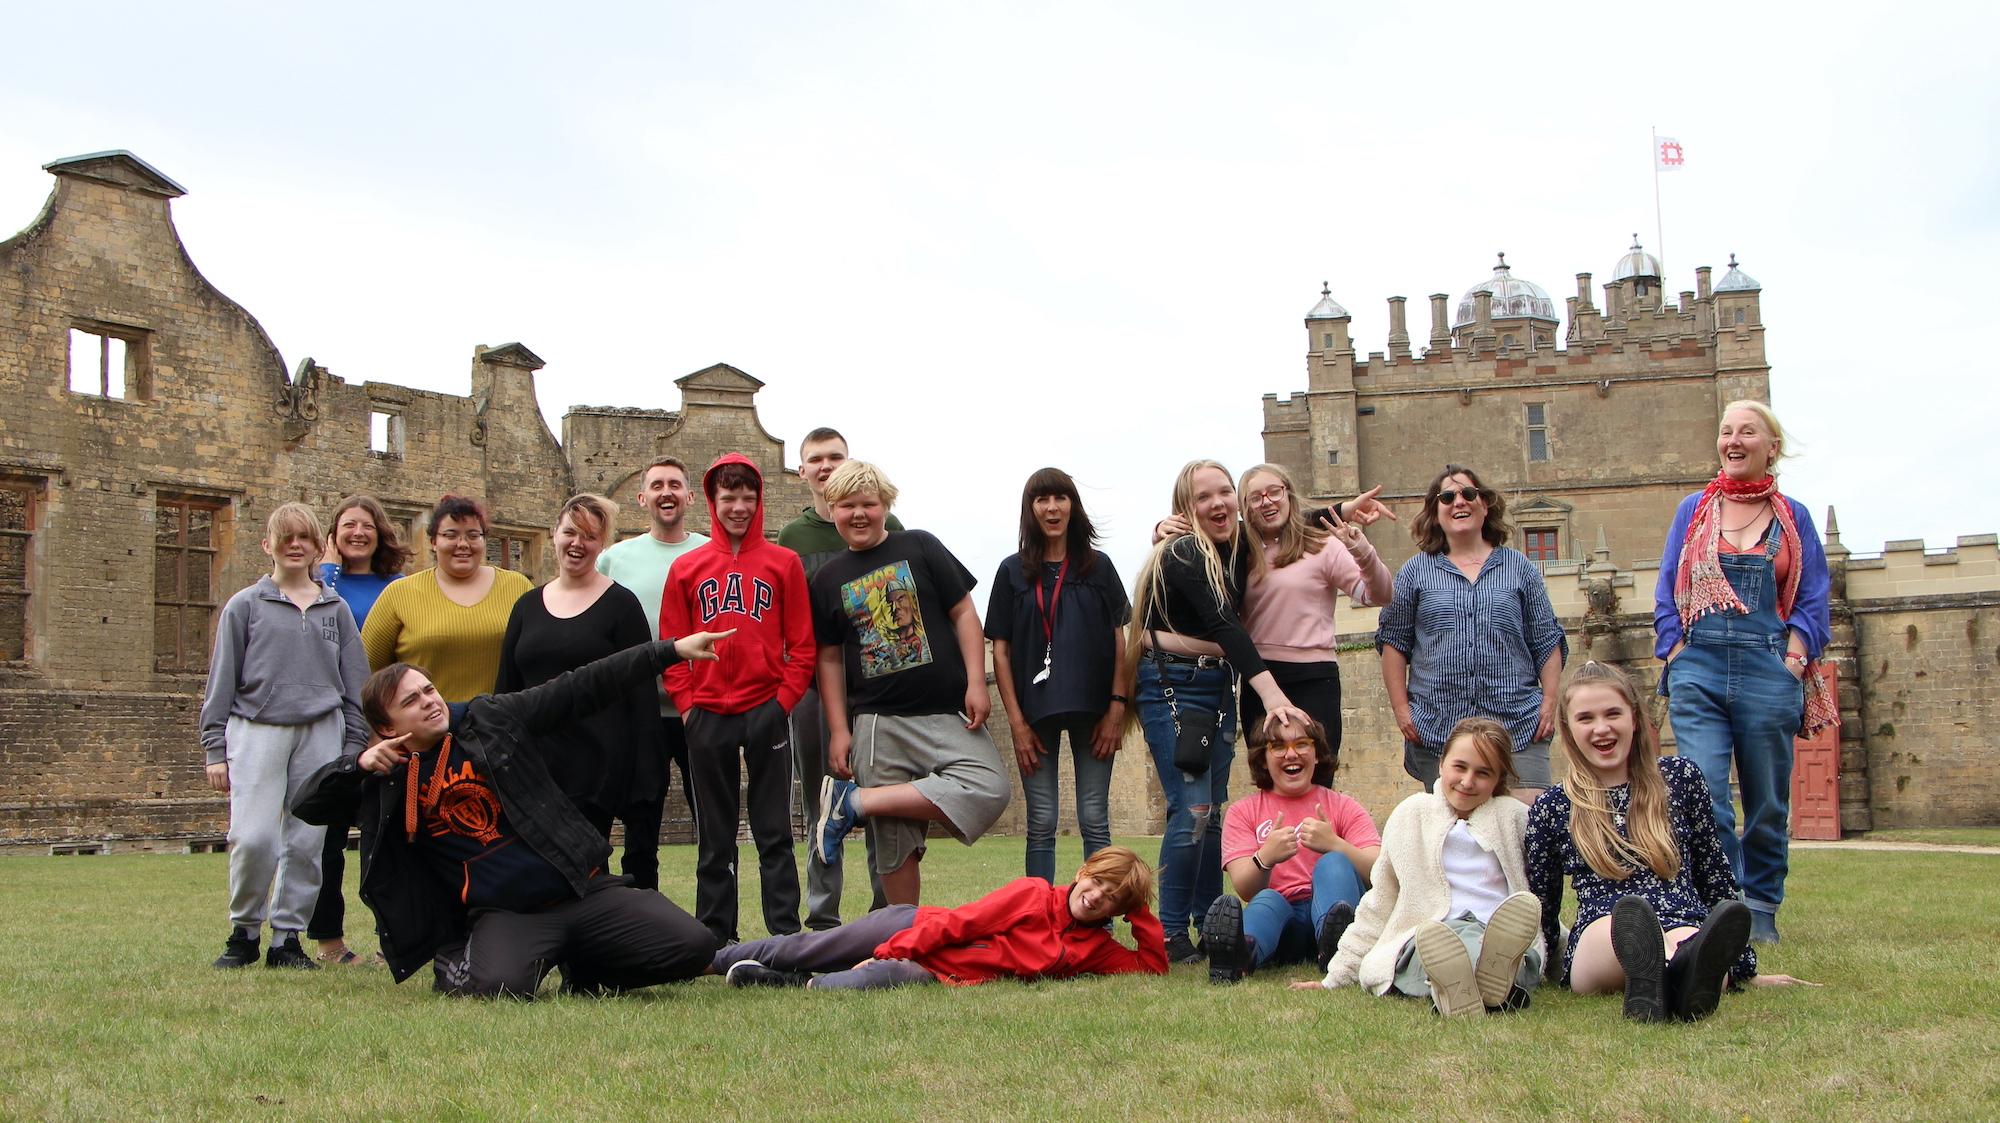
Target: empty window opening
97 364
385 433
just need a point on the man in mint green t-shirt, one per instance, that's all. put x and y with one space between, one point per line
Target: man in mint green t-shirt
640 564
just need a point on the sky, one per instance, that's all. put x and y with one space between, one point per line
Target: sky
983 238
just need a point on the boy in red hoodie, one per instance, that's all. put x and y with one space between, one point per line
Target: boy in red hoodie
742 700
1027 929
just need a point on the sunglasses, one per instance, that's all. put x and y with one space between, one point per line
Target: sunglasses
1301 745
1472 494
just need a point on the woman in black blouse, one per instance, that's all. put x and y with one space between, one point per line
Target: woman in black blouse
1188 643
1056 618
578 618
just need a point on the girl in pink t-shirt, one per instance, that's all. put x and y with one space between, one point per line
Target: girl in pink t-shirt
1298 852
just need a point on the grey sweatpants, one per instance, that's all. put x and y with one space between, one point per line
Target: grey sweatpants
841 953
274 855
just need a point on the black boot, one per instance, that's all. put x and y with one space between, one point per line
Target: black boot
1700 966
1637 941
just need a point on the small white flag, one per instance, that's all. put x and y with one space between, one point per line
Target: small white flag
1668 155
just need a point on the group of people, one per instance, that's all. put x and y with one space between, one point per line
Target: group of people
504 728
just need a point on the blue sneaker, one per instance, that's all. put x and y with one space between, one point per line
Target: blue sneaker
836 818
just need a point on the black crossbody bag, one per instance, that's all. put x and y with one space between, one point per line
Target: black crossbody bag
1194 728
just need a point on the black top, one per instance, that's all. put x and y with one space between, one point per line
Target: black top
1704 880
890 609
1190 608
592 760
1088 613
469 843
502 734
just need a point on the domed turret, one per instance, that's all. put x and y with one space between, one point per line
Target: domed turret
1513 299
1637 263
1326 309
1736 280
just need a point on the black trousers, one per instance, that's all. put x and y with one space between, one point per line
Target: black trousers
614 938
329 918
763 739
1312 687
641 860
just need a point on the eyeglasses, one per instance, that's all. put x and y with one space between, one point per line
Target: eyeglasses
455 536
1269 495
1302 745
1472 494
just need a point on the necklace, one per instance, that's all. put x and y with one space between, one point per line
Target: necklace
1754 520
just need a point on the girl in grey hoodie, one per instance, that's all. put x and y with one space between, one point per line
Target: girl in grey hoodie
284 696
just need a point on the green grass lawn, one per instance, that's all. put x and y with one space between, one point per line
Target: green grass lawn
112 1012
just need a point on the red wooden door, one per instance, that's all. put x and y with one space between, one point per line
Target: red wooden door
1816 776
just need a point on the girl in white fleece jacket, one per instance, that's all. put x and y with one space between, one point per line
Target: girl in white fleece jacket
1448 913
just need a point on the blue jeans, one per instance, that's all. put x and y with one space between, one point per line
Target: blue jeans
1190 873
1041 787
1284 931
1731 698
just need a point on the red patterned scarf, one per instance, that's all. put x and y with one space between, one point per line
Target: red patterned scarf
1700 586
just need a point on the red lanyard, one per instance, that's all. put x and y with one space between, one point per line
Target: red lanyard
1048 610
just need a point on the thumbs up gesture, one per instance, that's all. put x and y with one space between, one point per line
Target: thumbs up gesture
1280 844
1315 833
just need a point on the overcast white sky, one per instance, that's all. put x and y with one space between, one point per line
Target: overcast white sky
984 239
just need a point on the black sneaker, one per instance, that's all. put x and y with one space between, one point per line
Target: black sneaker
750 973
289 954
1181 949
1332 927
1641 950
1700 966
238 951
1222 938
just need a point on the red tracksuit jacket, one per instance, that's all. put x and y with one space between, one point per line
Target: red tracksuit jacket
758 588
1023 930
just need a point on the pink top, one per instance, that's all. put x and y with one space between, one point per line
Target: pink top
1289 612
1250 821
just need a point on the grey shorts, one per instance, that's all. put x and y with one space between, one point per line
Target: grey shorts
956 768
1531 765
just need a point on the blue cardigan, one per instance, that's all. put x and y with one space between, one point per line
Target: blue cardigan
1809 612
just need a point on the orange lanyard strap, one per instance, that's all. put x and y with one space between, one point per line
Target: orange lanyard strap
410 787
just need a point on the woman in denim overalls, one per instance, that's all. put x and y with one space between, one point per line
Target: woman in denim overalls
1741 616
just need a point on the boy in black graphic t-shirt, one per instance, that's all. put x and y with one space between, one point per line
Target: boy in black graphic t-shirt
897 635
473 860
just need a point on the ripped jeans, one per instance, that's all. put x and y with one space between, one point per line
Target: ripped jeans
1190 873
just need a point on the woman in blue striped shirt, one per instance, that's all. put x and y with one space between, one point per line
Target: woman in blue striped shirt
1470 633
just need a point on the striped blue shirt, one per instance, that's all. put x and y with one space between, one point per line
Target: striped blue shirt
1475 647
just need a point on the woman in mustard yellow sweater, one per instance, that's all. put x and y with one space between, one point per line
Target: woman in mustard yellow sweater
449 619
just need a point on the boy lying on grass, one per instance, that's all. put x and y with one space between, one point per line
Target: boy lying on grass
1028 929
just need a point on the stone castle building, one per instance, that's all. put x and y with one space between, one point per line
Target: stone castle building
1597 430
148 425
148 428
1594 440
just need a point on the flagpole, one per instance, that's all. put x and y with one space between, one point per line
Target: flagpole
1659 226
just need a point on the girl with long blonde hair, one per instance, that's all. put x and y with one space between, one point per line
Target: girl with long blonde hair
1657 911
1185 646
